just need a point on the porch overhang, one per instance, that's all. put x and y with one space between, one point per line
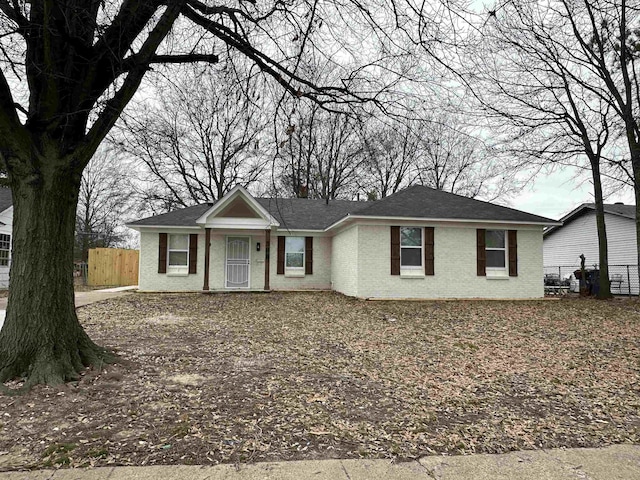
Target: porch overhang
257 219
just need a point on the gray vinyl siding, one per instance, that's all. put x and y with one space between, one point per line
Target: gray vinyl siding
564 246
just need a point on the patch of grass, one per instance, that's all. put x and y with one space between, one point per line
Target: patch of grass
466 345
58 454
98 452
58 448
181 430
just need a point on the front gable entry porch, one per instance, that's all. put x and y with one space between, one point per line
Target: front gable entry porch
237 217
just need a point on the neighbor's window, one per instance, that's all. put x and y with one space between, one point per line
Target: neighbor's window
496 248
178 250
294 252
5 248
411 247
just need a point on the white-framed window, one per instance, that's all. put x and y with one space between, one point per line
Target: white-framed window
294 253
411 246
5 249
178 255
496 249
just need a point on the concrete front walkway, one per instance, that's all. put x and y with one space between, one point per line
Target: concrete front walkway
85 298
82 298
618 462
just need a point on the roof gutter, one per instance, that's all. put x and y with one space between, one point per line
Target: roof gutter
444 220
138 228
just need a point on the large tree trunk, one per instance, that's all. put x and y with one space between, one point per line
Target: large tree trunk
635 163
637 197
42 339
605 287
634 150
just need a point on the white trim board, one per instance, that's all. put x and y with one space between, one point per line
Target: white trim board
236 192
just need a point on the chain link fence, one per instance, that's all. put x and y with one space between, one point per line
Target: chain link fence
80 273
565 278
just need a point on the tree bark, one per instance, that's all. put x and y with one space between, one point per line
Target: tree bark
42 339
635 163
603 248
634 150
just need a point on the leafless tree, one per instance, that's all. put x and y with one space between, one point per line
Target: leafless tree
204 136
102 204
322 155
530 78
391 149
452 158
68 70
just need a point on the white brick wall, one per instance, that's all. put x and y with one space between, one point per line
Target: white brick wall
151 281
218 258
6 217
356 262
455 267
321 277
344 261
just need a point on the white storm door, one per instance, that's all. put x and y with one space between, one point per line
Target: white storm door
238 253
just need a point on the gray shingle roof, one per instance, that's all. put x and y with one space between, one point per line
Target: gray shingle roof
308 214
5 198
421 201
312 214
292 213
183 217
628 211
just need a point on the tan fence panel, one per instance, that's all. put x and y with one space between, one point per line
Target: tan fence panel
113 267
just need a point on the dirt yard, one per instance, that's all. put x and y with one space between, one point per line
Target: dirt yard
255 377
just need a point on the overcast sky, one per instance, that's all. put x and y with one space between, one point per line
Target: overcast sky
557 194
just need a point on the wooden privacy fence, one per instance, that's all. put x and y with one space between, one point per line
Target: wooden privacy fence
113 267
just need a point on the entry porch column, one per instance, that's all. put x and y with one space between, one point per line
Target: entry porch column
267 248
207 246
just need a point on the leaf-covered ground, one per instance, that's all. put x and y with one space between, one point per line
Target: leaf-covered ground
253 377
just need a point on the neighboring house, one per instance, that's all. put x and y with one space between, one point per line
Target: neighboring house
578 234
417 243
6 225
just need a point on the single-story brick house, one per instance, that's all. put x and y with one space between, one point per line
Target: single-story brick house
416 243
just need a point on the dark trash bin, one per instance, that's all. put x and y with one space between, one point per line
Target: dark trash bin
591 282
594 282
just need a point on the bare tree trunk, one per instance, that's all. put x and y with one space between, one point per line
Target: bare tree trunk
634 150
603 249
635 163
42 338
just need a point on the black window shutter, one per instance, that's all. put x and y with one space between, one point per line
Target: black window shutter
162 253
482 253
280 259
395 250
513 253
308 255
193 253
429 251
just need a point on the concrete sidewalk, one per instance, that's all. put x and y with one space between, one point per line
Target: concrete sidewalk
85 298
618 462
82 298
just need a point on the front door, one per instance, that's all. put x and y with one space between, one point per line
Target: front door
238 262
